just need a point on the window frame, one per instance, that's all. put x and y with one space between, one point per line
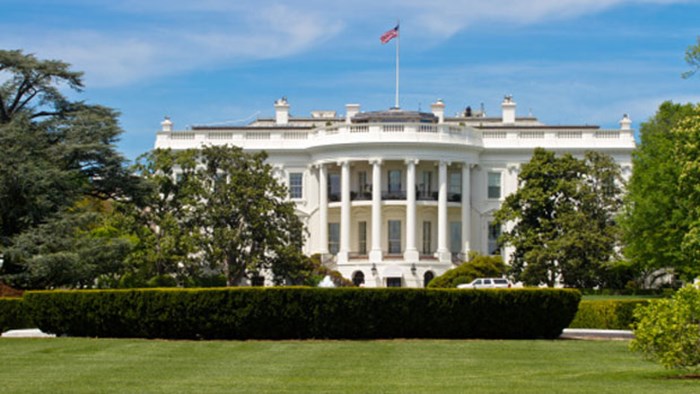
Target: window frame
296 191
492 187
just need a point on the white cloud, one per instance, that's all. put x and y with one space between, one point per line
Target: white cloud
160 38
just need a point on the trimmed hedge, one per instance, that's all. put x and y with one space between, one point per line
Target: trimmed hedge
606 314
301 313
13 314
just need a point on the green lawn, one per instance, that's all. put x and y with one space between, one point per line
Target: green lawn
620 297
109 365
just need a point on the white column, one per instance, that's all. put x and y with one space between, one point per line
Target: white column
411 253
466 208
375 254
443 253
323 208
344 212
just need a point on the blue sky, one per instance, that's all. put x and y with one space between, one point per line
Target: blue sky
213 61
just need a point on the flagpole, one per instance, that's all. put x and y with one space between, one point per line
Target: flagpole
398 45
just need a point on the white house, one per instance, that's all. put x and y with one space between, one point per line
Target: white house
394 198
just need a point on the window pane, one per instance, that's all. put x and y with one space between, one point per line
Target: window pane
455 237
333 187
455 183
427 247
394 236
295 185
494 233
333 237
362 181
494 186
394 180
362 235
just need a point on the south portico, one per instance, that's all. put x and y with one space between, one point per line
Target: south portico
381 231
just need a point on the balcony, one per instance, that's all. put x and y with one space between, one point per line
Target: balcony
361 196
389 195
395 195
426 195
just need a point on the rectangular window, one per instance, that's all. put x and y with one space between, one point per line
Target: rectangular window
455 183
394 181
333 238
362 181
426 188
333 187
394 236
494 186
362 236
455 187
494 233
427 238
393 282
456 237
296 187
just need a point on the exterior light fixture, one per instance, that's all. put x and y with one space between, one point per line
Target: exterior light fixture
413 268
374 269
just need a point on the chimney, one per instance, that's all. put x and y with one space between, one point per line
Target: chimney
438 109
508 107
350 111
625 123
166 125
281 111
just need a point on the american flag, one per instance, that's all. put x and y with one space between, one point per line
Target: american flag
389 35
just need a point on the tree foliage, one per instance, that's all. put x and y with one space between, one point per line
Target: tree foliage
214 211
74 249
667 330
560 221
478 266
692 57
56 152
658 207
246 222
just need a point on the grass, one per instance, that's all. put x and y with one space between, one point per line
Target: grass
79 365
593 297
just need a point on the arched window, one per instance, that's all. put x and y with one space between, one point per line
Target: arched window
427 277
358 278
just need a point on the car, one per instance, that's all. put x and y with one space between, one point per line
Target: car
487 283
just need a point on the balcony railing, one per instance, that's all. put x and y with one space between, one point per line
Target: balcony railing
426 195
393 195
360 196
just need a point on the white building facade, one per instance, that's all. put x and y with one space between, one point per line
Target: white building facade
395 198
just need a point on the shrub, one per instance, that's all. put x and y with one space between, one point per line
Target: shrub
13 315
668 330
478 266
299 313
607 314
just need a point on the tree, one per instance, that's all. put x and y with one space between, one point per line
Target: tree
560 220
32 86
247 225
71 250
165 226
667 330
55 151
478 266
656 212
687 153
692 57
213 211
